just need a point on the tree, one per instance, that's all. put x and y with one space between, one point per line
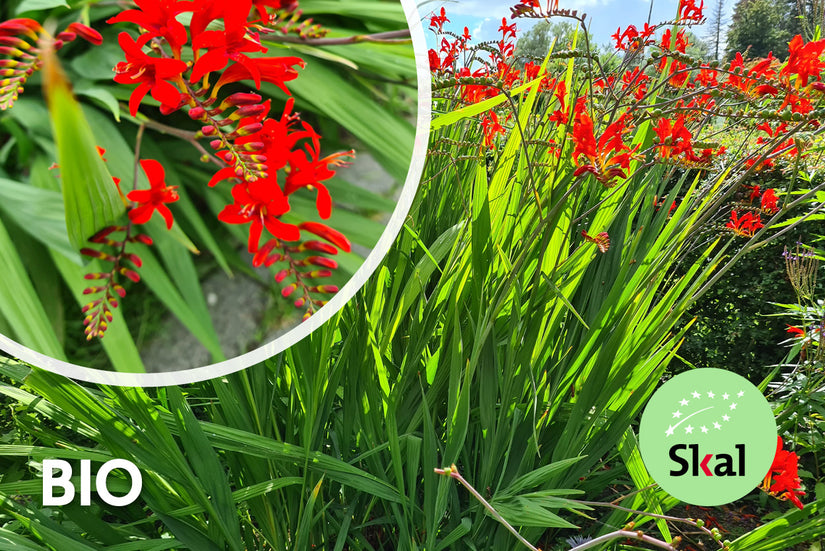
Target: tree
758 27
716 28
806 17
535 43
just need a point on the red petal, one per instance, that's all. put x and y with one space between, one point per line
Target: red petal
137 96
222 174
154 171
213 60
166 94
167 215
141 214
281 230
323 202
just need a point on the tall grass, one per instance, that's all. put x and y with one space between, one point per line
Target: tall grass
492 336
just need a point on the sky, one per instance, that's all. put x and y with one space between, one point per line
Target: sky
483 17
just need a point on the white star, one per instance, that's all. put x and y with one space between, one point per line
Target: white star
740 393
677 414
696 395
717 425
725 418
725 396
683 402
733 406
711 394
688 430
669 431
704 429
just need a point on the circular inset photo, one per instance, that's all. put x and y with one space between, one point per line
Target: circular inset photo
188 188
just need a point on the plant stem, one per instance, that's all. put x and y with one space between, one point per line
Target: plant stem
391 37
623 534
452 471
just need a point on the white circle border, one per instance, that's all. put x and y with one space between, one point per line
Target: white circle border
376 256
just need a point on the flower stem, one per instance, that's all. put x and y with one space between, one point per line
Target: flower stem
452 472
391 37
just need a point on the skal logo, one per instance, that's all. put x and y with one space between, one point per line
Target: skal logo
708 436
51 481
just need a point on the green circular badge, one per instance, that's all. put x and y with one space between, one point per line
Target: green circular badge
708 436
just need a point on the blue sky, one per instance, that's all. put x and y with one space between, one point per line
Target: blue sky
483 17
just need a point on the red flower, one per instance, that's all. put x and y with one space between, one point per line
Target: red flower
306 170
675 140
561 115
158 18
275 70
491 128
260 204
637 81
602 240
803 61
152 74
261 5
795 331
609 158
751 81
507 31
786 484
229 44
769 202
631 38
153 199
437 21
745 225
689 11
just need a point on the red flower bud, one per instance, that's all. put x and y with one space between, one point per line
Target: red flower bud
197 113
325 232
15 42
289 289
86 33
29 27
91 305
249 129
263 253
282 275
320 247
93 290
241 98
317 274
251 146
141 238
329 289
131 274
66 36
323 261
134 259
101 236
252 110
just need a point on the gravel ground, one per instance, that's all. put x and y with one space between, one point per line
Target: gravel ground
239 305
